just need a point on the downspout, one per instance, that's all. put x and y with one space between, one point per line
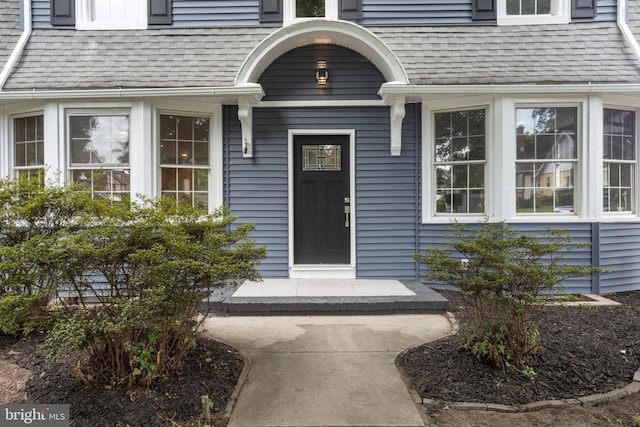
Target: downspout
17 50
624 28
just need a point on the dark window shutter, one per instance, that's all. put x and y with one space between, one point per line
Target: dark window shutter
583 8
159 12
350 9
63 12
270 10
483 10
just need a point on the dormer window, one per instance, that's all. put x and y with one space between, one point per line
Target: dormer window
111 14
310 9
524 12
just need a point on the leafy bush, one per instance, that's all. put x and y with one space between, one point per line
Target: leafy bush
22 314
502 278
157 262
31 219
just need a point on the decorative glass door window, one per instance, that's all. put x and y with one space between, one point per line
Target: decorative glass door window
321 158
619 152
546 159
28 145
310 9
459 165
99 150
184 159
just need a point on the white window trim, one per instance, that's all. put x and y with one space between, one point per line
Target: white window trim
428 174
562 15
85 21
289 11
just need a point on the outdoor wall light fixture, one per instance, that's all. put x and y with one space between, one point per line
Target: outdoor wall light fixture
322 74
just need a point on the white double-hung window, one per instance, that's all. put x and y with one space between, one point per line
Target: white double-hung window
619 161
28 146
99 153
546 159
459 162
515 12
111 14
185 146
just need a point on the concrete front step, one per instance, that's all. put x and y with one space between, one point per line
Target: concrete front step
424 300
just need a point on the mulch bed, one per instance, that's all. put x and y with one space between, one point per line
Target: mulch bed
588 350
211 368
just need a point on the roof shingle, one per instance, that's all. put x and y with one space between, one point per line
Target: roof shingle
573 53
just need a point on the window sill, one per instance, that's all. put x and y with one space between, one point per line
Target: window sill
104 25
533 20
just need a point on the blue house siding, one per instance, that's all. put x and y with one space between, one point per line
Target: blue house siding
257 189
433 235
245 13
620 254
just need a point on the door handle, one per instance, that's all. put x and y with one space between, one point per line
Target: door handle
347 215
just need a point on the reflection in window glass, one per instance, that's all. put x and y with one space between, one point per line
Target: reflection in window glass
619 151
184 159
460 162
28 146
99 152
310 8
546 153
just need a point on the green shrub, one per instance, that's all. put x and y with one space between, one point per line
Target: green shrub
158 261
22 314
503 277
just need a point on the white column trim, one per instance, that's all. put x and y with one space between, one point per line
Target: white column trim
216 160
54 154
141 151
591 158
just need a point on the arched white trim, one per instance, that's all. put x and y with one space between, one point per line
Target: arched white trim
304 33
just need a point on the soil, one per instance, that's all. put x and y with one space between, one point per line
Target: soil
211 368
587 350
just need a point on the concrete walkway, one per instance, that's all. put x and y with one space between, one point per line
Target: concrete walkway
325 370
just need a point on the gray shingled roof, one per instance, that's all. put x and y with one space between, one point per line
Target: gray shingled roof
573 53
9 28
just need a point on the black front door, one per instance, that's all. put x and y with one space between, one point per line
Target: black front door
321 199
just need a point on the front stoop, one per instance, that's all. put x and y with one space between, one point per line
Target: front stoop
425 300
